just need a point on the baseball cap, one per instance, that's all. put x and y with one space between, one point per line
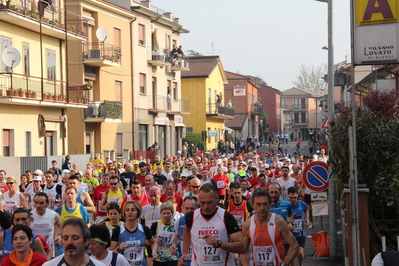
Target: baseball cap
37 178
225 160
38 172
142 164
120 163
154 191
218 161
242 173
178 152
135 162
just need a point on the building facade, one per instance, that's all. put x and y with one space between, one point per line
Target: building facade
35 93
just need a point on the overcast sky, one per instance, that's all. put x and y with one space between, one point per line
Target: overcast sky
266 38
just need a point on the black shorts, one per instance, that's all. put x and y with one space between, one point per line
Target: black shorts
222 197
307 199
301 242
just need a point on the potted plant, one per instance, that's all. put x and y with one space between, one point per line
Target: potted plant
88 86
9 92
53 97
117 57
33 94
60 98
1 92
28 94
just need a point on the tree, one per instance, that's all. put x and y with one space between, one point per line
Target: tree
312 79
193 53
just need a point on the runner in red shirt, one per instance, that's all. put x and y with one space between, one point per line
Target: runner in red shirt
98 195
253 180
222 182
137 194
262 182
170 191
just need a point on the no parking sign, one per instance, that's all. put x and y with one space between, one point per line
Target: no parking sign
315 176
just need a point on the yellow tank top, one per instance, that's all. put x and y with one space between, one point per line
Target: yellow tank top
116 197
74 213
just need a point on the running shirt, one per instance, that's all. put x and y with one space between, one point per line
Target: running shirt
286 184
113 259
165 232
181 187
151 214
112 227
267 242
97 197
179 229
299 211
53 193
44 225
115 197
143 200
60 261
134 252
204 254
282 209
8 246
10 202
240 212
66 213
222 182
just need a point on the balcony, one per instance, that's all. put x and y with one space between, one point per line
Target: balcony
300 106
107 111
257 109
302 122
181 64
219 112
158 104
98 54
29 90
54 22
159 57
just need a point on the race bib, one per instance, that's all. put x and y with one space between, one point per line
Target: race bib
209 254
240 219
134 255
263 255
166 238
220 184
297 226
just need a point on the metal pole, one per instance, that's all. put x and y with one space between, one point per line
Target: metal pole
331 110
353 182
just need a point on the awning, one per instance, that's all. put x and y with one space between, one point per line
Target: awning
228 130
180 125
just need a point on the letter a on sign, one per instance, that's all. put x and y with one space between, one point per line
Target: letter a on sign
378 7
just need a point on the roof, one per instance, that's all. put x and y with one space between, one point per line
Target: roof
236 76
200 66
300 92
237 123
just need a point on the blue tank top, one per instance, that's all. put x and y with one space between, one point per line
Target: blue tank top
282 209
79 200
180 230
8 246
298 211
134 252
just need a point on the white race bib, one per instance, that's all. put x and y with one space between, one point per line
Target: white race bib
134 255
220 184
263 255
297 225
209 254
166 238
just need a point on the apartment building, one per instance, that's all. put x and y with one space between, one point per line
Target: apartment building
35 93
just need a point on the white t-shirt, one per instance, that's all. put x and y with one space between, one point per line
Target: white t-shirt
120 259
59 261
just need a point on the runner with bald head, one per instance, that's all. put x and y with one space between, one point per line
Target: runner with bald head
195 185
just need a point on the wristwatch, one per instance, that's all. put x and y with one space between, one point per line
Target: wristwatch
284 264
219 243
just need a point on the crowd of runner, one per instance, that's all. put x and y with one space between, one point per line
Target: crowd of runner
208 209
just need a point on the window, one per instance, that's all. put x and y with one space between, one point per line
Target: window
142 84
26 59
119 144
4 43
303 117
283 104
175 94
88 143
143 137
28 143
296 118
296 103
117 39
49 146
174 43
51 63
303 103
141 34
118 90
7 142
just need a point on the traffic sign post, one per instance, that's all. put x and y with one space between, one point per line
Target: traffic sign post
325 123
315 176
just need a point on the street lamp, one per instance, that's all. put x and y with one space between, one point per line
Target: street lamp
331 188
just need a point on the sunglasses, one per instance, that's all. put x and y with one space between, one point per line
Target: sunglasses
114 184
195 186
10 183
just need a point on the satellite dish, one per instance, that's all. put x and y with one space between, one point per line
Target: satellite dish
102 34
11 57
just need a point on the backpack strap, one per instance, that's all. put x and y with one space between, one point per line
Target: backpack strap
114 257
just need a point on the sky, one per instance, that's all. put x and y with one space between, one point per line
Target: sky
270 39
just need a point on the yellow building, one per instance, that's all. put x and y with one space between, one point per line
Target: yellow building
202 84
35 95
126 58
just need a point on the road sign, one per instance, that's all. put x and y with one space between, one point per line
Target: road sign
316 196
315 176
325 123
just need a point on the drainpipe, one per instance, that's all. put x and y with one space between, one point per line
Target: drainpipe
132 83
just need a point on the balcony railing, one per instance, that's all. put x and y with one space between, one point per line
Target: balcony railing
52 17
257 109
106 109
214 109
161 103
162 57
35 88
299 106
101 51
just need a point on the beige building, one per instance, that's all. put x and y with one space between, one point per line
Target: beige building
35 96
300 112
127 59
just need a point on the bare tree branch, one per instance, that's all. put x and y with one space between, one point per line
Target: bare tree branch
311 79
